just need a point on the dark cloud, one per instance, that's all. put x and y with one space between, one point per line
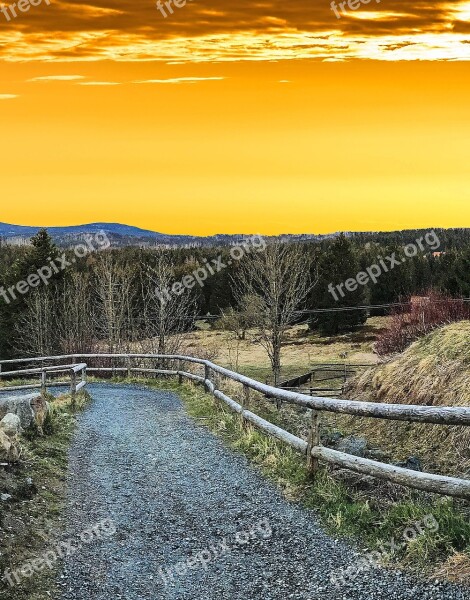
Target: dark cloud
112 29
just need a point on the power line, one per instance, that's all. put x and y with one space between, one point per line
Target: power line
374 306
348 308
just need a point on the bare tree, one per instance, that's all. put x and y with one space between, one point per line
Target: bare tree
167 315
115 313
237 323
277 282
36 328
75 320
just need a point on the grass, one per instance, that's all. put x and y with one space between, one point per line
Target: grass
30 520
371 521
301 350
434 371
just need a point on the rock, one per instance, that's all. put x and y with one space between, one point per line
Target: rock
352 445
5 497
10 449
378 455
11 425
31 409
331 438
412 462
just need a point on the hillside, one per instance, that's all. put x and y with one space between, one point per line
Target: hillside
433 371
127 235
122 235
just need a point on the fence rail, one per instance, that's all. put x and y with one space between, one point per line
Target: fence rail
311 448
74 371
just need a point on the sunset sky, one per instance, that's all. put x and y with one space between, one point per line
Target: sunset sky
229 116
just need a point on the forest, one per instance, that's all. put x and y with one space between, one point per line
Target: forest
110 298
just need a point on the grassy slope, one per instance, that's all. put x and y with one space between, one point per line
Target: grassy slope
433 371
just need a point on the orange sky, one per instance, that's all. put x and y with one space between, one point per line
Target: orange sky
236 116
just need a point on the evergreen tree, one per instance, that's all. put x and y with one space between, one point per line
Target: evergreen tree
39 256
337 264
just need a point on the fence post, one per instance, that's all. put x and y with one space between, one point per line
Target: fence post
73 387
207 376
43 382
245 405
313 442
128 365
180 377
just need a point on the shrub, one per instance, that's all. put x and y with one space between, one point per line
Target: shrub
418 318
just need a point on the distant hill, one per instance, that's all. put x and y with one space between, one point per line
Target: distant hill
124 235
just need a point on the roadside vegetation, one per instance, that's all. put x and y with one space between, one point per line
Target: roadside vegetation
433 371
370 513
33 499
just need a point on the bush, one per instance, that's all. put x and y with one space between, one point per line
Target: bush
418 318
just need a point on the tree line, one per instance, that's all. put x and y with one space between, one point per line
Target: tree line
110 299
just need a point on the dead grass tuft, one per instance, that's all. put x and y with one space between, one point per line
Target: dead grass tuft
456 569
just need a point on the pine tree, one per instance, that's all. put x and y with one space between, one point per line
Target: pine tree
336 264
39 256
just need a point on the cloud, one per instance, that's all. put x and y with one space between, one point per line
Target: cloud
104 83
8 96
202 31
57 78
182 80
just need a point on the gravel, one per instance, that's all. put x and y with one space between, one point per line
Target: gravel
195 521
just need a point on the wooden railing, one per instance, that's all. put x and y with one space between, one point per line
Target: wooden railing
311 448
77 374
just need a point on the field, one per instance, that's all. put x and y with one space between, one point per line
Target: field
302 350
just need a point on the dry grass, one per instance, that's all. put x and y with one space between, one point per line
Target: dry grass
30 520
434 371
301 350
456 569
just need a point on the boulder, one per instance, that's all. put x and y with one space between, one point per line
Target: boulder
356 446
10 450
11 425
31 409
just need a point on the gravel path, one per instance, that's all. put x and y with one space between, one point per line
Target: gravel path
192 520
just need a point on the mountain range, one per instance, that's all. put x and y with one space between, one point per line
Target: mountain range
126 235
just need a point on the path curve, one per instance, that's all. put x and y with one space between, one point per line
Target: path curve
192 519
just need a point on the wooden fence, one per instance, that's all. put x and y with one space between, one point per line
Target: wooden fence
75 372
311 448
